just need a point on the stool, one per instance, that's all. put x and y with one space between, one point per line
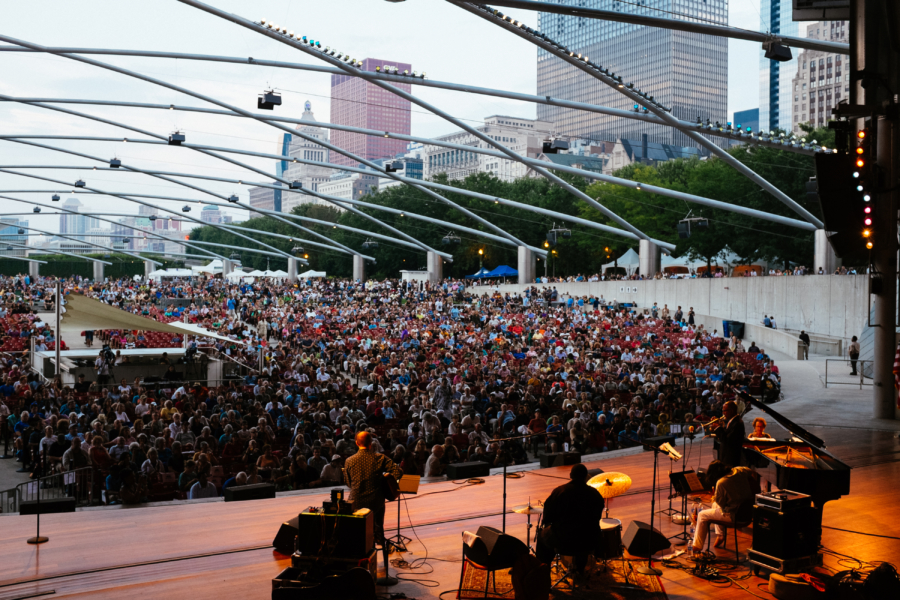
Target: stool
726 525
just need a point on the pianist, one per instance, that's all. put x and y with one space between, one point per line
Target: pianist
759 430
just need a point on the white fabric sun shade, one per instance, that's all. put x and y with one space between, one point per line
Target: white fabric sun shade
87 313
311 273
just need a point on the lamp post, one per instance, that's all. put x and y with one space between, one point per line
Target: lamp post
480 258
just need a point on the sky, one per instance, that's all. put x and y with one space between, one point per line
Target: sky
448 43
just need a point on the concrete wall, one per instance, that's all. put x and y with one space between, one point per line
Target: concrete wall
832 306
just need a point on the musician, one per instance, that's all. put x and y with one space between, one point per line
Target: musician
759 430
729 434
363 474
735 490
571 520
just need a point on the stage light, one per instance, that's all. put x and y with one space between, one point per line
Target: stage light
860 163
867 222
232 199
80 183
866 233
185 208
37 209
869 245
867 209
861 134
867 198
55 198
115 163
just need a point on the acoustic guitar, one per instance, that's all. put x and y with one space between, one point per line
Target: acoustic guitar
390 487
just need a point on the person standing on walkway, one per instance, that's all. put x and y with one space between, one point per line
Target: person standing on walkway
804 337
853 353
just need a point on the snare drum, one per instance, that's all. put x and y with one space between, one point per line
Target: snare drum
610 544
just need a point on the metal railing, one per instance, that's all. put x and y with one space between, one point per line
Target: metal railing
78 484
860 367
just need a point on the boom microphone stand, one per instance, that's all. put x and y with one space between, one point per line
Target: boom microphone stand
649 569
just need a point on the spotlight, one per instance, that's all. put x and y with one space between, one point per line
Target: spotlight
176 139
37 209
232 199
115 163
268 100
185 208
79 184
55 198
296 185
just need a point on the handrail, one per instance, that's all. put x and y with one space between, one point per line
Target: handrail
860 364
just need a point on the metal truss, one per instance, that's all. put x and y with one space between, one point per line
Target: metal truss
492 16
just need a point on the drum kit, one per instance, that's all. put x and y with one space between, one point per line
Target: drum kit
610 485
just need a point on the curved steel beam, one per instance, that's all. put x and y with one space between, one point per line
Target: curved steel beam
74 239
752 137
47 251
487 14
22 258
690 26
580 172
253 250
419 102
271 124
251 209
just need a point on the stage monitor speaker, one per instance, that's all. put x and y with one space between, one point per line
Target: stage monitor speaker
355 584
467 470
286 539
337 535
256 491
560 459
47 506
639 539
787 534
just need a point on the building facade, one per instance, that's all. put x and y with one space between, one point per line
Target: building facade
524 136
9 234
358 103
822 78
775 77
310 176
211 215
348 186
687 72
72 224
264 198
747 118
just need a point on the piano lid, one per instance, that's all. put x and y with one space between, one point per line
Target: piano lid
792 427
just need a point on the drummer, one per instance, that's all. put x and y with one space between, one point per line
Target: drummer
571 521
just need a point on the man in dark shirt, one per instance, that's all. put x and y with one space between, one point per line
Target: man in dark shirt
729 433
804 349
82 386
571 520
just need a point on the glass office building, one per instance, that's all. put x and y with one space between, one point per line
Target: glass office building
685 71
775 77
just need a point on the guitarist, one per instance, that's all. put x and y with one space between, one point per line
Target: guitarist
364 474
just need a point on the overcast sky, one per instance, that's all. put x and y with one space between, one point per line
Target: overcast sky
446 42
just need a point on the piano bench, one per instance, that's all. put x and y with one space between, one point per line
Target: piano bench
726 525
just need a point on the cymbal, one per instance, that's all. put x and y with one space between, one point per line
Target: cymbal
528 510
610 485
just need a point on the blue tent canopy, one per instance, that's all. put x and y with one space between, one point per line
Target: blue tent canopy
481 274
503 271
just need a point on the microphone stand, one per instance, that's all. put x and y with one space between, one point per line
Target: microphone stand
504 457
649 569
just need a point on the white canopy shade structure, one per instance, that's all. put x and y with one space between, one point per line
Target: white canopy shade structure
213 268
256 273
311 274
161 274
630 261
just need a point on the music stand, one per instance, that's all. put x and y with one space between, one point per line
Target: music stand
408 484
671 453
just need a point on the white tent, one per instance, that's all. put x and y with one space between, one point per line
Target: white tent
256 273
310 274
630 261
212 268
161 274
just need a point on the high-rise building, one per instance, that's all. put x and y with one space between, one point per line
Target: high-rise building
9 233
211 214
774 76
310 176
687 72
72 224
523 136
358 103
747 118
822 78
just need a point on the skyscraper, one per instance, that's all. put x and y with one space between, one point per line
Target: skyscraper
685 71
310 176
72 224
775 77
822 79
358 103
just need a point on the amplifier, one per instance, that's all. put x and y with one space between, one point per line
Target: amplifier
560 459
467 470
256 491
783 500
332 566
787 534
336 535
47 506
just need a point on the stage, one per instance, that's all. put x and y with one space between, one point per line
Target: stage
215 550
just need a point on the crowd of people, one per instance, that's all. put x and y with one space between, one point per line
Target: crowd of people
436 373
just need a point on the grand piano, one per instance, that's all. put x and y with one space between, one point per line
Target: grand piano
800 464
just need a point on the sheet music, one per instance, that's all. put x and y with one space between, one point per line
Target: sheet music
693 481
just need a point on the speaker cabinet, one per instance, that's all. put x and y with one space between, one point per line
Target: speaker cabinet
787 534
285 540
559 459
642 541
467 470
47 507
256 491
341 536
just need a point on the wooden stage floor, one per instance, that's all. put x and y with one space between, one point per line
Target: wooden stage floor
216 550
